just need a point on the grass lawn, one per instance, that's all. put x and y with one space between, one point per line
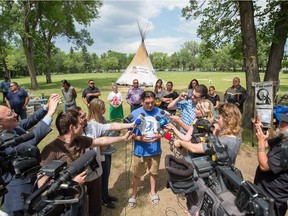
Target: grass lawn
221 81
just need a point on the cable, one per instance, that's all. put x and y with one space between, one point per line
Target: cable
127 170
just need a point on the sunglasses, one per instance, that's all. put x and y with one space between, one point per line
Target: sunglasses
91 83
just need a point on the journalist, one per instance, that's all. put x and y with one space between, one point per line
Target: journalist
42 118
94 129
272 171
229 121
70 145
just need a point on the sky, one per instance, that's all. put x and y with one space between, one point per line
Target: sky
117 27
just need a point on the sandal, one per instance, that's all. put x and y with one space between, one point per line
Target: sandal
154 199
131 202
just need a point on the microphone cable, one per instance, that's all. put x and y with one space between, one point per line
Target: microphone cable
128 168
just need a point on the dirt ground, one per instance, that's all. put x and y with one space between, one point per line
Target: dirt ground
170 204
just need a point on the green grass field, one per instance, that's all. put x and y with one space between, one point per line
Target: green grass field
104 81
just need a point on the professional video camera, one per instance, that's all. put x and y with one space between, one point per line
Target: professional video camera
20 161
215 181
59 191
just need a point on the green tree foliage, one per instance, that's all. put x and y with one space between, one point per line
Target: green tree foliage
223 21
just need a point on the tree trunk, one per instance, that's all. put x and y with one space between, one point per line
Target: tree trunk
28 44
277 48
47 67
29 54
250 57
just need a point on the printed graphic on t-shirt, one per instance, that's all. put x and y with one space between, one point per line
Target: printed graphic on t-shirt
149 126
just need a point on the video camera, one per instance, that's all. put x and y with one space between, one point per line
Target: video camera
215 180
59 191
21 161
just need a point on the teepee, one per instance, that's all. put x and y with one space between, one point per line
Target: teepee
140 67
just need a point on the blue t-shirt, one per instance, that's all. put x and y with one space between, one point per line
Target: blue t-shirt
17 99
5 86
148 127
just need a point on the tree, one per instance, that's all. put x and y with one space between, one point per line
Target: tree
220 25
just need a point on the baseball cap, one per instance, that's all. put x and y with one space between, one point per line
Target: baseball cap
283 117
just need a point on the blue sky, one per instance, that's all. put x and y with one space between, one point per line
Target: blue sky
117 28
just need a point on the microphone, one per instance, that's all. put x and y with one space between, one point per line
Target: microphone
128 119
17 140
138 121
79 165
162 121
171 139
166 115
165 135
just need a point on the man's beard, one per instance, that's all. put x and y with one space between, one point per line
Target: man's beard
283 133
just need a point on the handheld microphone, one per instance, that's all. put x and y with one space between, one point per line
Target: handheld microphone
162 121
79 165
138 121
171 139
166 115
165 135
17 140
128 119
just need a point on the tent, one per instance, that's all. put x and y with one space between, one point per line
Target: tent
140 67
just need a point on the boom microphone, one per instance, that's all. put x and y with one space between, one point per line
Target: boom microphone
17 140
79 165
128 119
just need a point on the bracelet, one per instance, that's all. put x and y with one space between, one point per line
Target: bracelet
261 150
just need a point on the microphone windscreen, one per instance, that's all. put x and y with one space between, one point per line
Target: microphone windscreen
27 136
138 121
167 136
130 116
142 114
80 163
162 112
158 118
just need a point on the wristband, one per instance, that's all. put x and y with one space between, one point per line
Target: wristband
261 150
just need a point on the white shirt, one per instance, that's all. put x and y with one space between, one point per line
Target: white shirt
94 130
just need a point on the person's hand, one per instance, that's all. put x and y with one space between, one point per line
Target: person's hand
183 96
261 136
53 102
128 136
149 139
80 179
175 119
170 126
177 143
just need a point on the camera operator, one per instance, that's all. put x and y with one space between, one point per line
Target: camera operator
229 120
13 203
70 145
271 174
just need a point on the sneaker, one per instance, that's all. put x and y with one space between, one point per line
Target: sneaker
112 198
109 205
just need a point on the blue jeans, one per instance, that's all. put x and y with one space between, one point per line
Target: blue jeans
79 209
67 106
106 166
21 113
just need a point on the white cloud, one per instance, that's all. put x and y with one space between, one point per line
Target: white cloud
117 29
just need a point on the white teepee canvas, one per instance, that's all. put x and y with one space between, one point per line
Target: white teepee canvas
140 67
